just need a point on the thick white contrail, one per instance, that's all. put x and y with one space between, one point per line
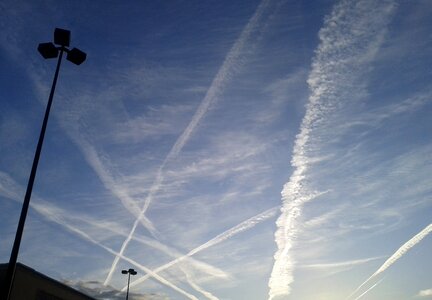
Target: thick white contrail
351 36
221 79
397 255
245 225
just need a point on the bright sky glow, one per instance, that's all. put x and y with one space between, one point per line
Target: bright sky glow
224 149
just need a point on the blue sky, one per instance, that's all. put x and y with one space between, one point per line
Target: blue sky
224 149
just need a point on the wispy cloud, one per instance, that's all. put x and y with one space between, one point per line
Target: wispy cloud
376 118
396 256
288 89
351 36
323 218
222 78
425 293
156 122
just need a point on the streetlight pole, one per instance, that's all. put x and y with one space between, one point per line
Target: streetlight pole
129 272
47 50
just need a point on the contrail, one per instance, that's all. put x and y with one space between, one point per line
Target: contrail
245 225
10 189
349 39
55 215
349 263
221 79
89 153
398 254
369 289
204 267
143 268
107 179
193 284
95 161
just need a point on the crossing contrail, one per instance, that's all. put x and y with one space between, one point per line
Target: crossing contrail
55 214
396 256
245 225
349 39
193 284
94 160
143 268
10 189
227 70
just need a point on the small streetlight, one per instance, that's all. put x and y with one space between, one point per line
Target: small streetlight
129 272
47 50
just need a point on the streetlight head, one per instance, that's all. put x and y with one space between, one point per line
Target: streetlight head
48 50
62 37
124 271
133 272
76 56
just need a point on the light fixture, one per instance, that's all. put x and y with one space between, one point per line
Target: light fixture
47 50
129 272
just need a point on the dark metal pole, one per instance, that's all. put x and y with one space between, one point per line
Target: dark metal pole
8 283
127 292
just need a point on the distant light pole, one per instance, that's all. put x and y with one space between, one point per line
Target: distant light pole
47 50
129 272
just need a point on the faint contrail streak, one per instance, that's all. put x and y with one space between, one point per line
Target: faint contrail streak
55 215
10 189
369 289
90 153
349 39
108 181
245 225
398 254
193 284
349 263
221 79
143 268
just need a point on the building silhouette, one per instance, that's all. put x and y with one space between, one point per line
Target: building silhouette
32 285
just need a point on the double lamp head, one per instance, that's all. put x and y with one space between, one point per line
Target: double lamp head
62 40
